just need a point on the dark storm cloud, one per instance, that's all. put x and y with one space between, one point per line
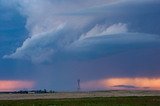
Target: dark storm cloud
69 40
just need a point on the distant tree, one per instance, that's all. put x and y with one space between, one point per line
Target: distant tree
45 91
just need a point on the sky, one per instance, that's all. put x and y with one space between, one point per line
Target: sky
107 44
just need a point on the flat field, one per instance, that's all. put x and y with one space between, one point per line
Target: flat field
103 101
103 98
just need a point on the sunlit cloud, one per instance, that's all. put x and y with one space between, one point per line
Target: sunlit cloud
12 85
102 30
124 84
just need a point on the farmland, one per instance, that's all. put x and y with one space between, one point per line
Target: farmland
103 101
101 98
67 95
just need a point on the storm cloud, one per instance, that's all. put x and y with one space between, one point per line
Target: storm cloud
99 38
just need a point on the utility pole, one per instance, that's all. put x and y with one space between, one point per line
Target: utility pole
78 85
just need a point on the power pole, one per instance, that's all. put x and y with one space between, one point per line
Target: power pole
78 85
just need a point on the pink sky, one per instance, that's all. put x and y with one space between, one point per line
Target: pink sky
12 85
122 83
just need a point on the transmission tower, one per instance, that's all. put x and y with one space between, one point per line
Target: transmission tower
78 84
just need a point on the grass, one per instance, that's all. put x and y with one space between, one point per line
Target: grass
107 101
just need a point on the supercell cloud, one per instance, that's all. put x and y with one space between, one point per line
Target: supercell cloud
66 40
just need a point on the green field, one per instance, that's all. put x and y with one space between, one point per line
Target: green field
107 101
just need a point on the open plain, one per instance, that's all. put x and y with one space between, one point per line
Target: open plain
98 98
66 95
